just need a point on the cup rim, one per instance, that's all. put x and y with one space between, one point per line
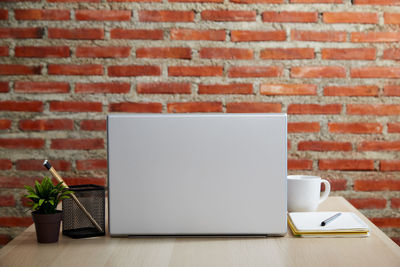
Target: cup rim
303 177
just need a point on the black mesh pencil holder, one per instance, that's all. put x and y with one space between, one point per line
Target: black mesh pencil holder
75 222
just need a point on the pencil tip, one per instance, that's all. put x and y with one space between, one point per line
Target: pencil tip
47 164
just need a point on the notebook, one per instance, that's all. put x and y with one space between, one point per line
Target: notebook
308 224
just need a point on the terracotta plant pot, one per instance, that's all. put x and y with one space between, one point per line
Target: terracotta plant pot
47 226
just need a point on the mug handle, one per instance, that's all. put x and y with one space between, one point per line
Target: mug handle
326 192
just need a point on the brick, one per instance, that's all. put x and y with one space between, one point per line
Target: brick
72 106
290 16
226 53
368 203
73 1
349 53
5 124
84 69
350 17
395 203
255 71
136 34
21 33
21 143
233 88
257 36
93 125
24 106
13 69
4 51
164 52
287 53
103 15
392 90
195 71
188 107
165 16
377 185
253 107
42 51
355 127
346 164
15 221
42 14
299 164
391 18
318 72
41 87
134 0
361 90
377 109
336 184
394 127
389 165
91 164
375 37
303 127
7 201
317 1
102 52
324 146
17 182
228 15
197 35
5 164
3 14
288 89
391 53
46 125
257 1
4 239
376 2
37 165
76 34
133 70
4 88
314 109
197 1
103 88
379 146
136 107
163 88
387 222
77 144
315 36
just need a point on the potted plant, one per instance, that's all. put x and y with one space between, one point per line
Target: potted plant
45 197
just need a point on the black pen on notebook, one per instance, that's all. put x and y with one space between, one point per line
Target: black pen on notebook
325 222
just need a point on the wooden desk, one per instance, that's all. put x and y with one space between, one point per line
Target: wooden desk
376 250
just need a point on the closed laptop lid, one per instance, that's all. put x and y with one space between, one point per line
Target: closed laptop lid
195 174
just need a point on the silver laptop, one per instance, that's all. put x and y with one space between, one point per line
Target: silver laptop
197 174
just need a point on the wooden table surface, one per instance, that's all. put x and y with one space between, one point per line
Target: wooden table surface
375 250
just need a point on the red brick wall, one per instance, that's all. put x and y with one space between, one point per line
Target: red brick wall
332 65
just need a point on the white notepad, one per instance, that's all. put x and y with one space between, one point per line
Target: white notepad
309 224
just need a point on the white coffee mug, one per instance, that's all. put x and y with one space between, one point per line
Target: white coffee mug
304 192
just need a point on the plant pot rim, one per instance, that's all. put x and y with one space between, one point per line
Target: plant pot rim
38 213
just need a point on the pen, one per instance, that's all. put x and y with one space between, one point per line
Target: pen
325 222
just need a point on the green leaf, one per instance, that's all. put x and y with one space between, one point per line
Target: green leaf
31 196
45 195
